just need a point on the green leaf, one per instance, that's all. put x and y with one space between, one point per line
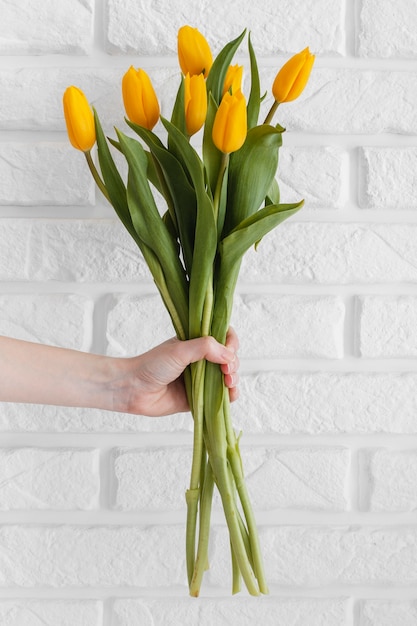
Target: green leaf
254 102
176 188
112 179
212 157
178 112
150 227
251 172
231 251
217 74
253 228
205 243
273 195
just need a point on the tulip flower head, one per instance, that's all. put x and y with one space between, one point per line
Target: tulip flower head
195 98
139 97
194 53
79 119
230 124
293 76
233 80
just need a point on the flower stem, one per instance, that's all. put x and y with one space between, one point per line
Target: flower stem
97 178
218 190
237 470
204 531
271 112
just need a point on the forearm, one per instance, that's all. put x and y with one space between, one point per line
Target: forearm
35 373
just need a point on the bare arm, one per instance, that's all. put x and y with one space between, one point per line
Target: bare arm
149 384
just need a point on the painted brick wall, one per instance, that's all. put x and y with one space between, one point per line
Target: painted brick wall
92 504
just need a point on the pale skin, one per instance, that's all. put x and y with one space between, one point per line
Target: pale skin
149 384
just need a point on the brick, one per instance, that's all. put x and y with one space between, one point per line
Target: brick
387 480
387 613
25 418
329 253
50 612
349 101
295 252
307 478
312 555
387 326
271 26
327 402
207 611
49 478
155 479
85 556
312 174
43 174
14 242
58 251
136 324
32 96
287 317
387 30
57 319
42 27
298 326
385 171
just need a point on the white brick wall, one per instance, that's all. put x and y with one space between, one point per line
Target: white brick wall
92 505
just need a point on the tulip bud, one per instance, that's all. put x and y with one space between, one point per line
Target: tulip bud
293 76
195 97
230 123
79 119
194 53
233 80
139 97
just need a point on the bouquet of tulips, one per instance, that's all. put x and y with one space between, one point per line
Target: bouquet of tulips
218 205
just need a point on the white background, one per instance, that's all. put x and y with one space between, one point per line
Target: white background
92 507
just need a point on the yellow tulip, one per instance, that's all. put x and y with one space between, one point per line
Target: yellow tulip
194 53
233 80
139 97
195 102
293 76
230 123
79 119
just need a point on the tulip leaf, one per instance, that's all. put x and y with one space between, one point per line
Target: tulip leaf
254 101
178 112
112 179
231 250
251 172
212 156
205 243
217 74
253 228
273 195
150 227
176 189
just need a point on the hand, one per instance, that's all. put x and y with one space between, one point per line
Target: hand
152 383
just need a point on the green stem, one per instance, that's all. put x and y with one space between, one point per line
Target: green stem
235 572
166 297
237 470
193 493
223 482
204 531
217 193
97 178
271 112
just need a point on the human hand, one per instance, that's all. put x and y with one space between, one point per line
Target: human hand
152 383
